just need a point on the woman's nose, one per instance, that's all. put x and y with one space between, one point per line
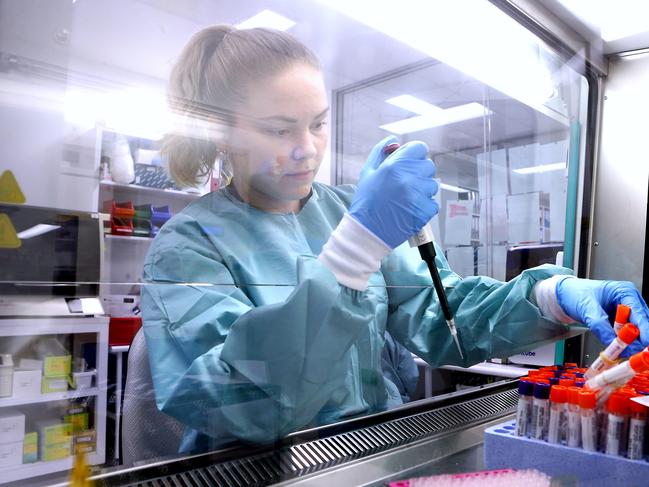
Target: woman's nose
305 148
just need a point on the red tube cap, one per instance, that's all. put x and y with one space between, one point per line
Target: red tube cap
628 333
618 404
573 395
558 394
640 361
587 399
622 314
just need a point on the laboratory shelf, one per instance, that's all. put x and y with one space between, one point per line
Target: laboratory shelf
52 396
146 189
110 236
28 470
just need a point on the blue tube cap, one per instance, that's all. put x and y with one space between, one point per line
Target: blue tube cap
542 391
525 388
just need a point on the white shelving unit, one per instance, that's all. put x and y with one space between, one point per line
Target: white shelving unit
53 396
109 236
111 185
39 326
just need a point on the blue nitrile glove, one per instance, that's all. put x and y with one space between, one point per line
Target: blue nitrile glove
594 303
394 195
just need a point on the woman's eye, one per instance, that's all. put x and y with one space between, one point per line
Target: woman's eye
319 125
277 132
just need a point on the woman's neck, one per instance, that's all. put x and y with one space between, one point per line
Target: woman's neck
263 202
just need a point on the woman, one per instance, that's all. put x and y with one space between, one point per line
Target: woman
268 299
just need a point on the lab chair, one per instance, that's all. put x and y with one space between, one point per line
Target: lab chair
147 433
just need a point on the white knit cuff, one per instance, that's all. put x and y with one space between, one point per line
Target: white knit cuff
353 253
545 295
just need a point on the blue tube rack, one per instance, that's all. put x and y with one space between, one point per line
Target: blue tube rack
570 466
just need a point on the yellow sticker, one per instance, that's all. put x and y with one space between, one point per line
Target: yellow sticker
8 237
10 191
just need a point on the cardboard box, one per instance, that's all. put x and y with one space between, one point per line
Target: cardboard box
85 448
52 432
57 360
27 383
88 436
54 384
56 451
30 447
57 366
12 426
78 422
11 454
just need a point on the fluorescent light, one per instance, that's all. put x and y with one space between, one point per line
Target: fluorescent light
414 104
37 230
455 189
439 118
558 166
268 19
615 20
137 111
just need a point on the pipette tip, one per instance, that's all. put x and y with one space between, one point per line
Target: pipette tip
453 330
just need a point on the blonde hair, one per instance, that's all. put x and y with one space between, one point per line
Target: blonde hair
207 83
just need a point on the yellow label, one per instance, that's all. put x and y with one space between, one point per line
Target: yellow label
57 366
8 237
10 191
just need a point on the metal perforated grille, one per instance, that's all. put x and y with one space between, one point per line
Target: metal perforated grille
315 455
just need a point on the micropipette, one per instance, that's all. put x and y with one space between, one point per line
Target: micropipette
423 240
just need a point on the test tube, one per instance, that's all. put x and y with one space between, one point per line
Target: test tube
621 317
616 428
574 419
606 359
541 411
587 403
637 426
524 409
557 422
621 373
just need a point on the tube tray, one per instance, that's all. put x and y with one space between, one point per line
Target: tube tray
570 466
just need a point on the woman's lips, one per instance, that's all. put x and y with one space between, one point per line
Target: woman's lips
303 175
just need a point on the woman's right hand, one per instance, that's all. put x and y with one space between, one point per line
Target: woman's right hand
394 199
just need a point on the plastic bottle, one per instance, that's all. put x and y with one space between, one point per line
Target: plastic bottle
573 437
524 409
618 410
541 411
621 373
637 427
557 422
587 404
621 317
606 359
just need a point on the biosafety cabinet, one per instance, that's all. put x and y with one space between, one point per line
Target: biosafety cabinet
530 117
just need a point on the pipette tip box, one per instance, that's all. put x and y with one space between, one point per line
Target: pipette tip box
572 466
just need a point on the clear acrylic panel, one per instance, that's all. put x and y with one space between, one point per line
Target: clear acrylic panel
247 335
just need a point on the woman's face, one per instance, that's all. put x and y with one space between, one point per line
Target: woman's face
279 139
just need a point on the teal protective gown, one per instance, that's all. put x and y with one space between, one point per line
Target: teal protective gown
250 337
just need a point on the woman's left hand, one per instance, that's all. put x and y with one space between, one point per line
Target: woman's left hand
592 303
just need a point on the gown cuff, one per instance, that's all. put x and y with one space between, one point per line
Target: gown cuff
353 253
545 295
